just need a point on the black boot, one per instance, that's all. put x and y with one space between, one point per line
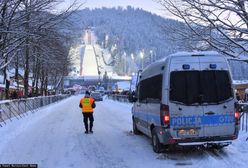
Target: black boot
86 131
86 125
91 126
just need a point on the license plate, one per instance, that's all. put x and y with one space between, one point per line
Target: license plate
187 132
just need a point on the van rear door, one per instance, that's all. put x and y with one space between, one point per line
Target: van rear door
184 109
217 99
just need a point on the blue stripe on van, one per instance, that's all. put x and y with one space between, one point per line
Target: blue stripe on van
188 120
202 120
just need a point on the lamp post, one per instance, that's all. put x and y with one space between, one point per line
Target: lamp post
142 58
106 41
132 56
151 56
124 63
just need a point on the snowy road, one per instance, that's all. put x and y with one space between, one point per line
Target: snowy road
53 138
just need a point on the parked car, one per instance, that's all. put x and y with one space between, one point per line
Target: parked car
101 91
97 96
91 88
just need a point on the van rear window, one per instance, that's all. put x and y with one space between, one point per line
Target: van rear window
197 87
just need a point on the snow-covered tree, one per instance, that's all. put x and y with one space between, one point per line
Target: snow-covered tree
221 24
31 38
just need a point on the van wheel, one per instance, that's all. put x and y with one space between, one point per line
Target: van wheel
156 145
135 129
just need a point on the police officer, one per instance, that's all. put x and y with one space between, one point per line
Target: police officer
87 104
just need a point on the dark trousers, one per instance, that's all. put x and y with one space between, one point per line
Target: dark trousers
91 118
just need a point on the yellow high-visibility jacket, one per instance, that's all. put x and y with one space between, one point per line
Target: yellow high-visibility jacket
87 104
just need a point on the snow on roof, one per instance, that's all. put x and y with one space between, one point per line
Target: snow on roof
11 87
20 72
236 82
125 85
12 72
116 77
90 77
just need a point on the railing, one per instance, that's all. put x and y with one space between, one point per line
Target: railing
18 108
243 109
244 122
118 97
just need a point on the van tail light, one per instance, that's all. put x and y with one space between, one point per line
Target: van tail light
236 116
165 115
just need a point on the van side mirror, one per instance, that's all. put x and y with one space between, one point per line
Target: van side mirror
132 98
242 107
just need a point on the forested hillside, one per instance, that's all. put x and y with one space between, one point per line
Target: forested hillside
132 30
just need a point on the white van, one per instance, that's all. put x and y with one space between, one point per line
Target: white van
186 99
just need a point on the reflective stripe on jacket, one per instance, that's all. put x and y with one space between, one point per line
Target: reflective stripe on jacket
87 104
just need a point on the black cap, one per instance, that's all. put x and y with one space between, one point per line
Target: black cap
87 92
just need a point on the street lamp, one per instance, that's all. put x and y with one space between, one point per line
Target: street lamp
106 41
124 62
132 56
151 56
142 58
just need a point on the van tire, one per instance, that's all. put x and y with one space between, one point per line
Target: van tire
135 129
156 145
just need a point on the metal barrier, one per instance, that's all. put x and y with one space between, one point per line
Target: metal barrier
244 122
243 109
117 97
18 108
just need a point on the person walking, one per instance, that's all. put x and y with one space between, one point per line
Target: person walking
87 104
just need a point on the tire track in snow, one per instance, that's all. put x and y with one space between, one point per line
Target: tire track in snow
95 151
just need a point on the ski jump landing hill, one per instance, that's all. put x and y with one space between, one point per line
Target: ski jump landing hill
94 63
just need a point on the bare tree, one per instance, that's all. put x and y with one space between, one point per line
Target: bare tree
221 24
10 41
25 28
52 60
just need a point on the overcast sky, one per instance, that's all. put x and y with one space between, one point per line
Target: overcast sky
148 5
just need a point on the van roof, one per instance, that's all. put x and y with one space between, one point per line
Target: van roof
182 54
155 68
197 53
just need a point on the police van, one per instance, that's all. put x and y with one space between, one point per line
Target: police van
186 99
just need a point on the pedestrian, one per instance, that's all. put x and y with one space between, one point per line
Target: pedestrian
20 94
246 95
238 96
87 104
14 95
